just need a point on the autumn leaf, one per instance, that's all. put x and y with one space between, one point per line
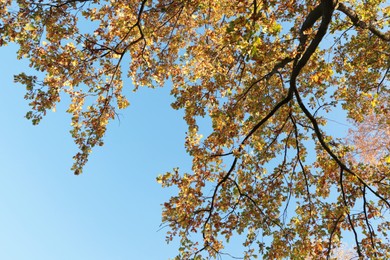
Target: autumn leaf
269 75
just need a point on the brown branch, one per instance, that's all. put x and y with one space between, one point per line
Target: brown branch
61 4
245 195
174 26
278 132
302 166
383 79
268 116
138 25
309 22
327 15
327 12
226 177
348 214
275 69
257 126
320 137
369 227
359 23
331 236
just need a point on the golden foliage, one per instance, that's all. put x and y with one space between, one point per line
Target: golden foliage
267 74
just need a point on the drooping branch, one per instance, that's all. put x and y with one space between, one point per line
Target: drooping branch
359 251
320 137
328 8
308 194
366 218
332 234
136 24
275 70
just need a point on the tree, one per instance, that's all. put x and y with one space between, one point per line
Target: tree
341 252
267 74
371 136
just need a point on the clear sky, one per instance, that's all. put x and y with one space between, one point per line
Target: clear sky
113 210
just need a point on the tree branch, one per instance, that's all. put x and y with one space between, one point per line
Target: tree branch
359 23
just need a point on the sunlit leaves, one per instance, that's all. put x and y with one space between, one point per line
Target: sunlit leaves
268 75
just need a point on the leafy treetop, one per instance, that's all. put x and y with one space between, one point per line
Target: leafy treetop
267 74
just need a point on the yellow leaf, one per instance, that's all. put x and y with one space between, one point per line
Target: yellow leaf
29 27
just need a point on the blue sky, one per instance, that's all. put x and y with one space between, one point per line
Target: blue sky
113 210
